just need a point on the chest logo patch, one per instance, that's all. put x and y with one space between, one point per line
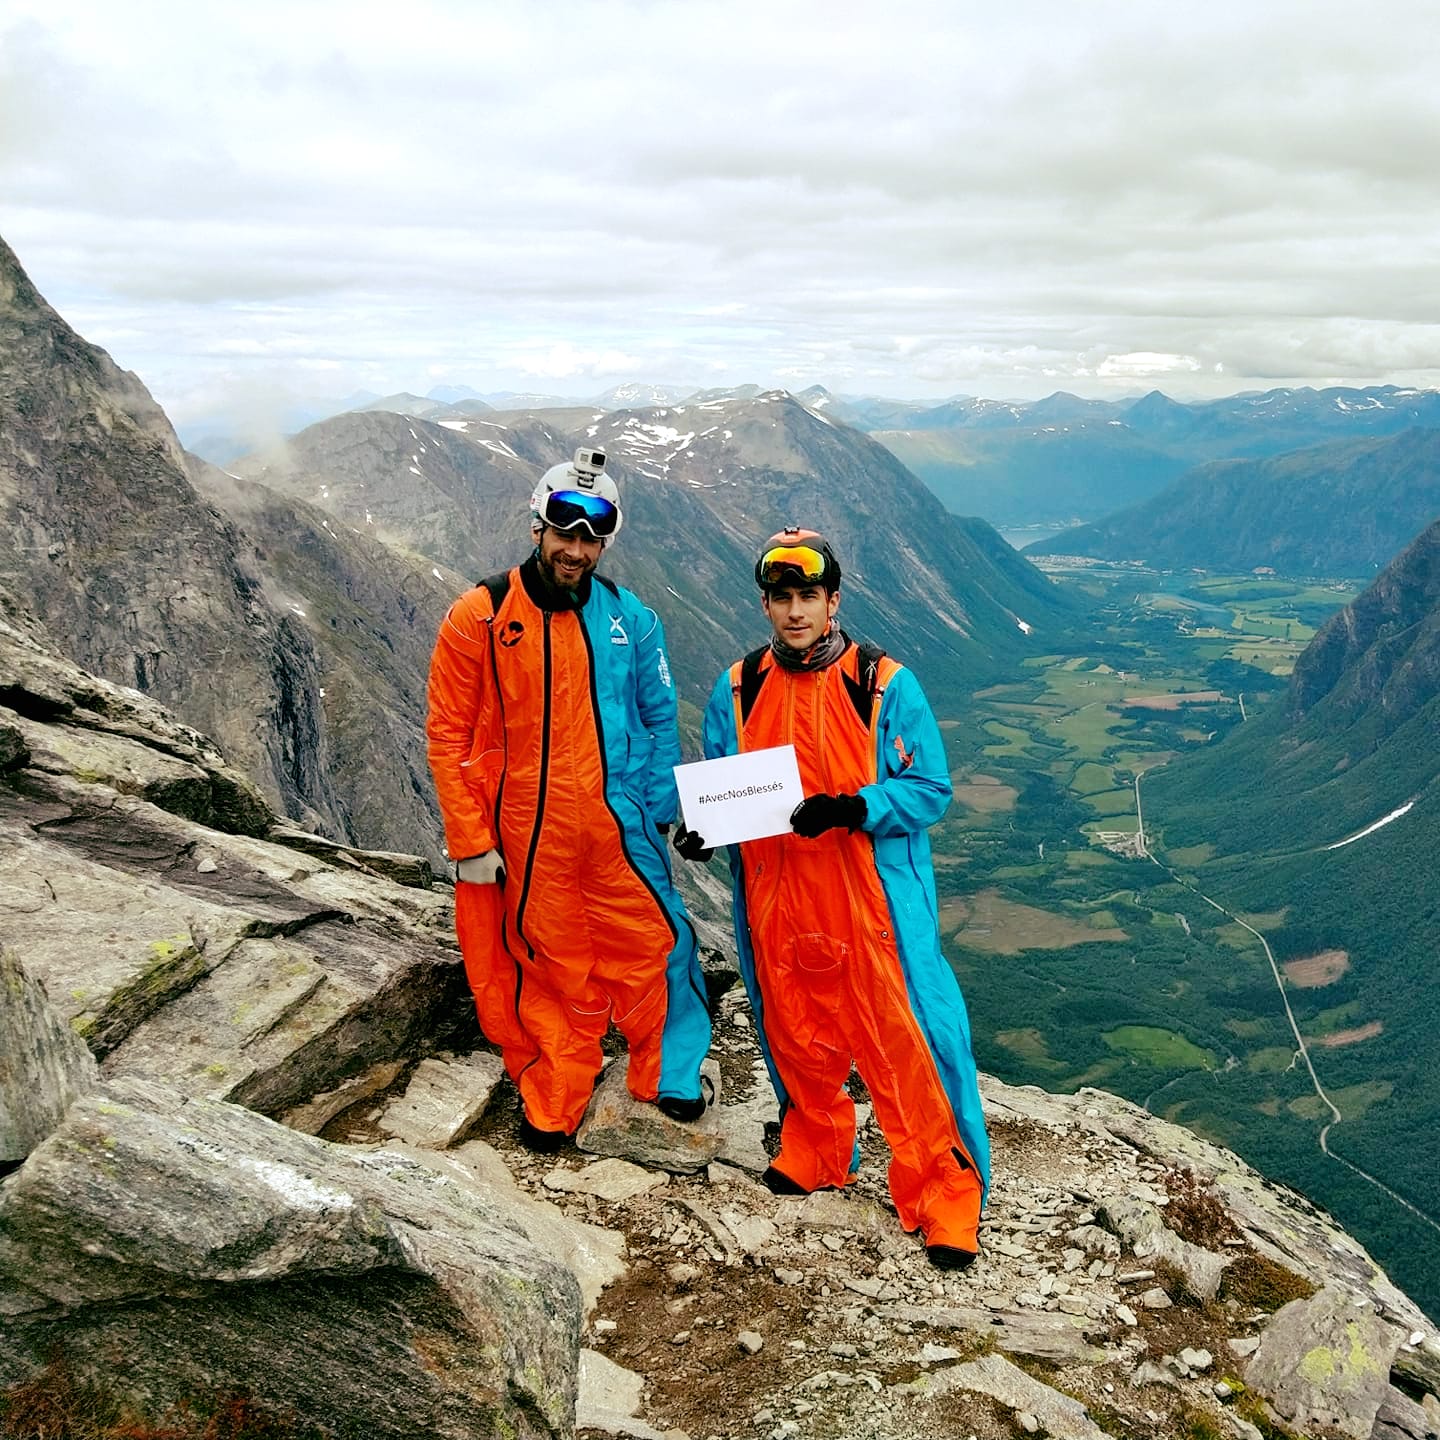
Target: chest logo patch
510 635
617 631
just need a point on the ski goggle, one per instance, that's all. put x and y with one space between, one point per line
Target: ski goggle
567 509
804 560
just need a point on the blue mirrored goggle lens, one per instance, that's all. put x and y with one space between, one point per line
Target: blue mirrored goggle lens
565 509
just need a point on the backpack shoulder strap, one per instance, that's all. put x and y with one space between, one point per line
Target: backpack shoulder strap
745 682
866 687
498 586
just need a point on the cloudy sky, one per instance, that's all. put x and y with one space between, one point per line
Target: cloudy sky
905 198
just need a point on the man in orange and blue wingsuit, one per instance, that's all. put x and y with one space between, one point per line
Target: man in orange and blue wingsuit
836 922
551 736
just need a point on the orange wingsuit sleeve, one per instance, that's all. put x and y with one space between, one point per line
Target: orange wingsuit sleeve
458 731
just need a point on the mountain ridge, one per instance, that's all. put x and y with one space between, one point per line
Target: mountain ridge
723 475
1344 507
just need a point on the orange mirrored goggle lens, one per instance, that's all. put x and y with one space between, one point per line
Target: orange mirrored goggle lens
805 560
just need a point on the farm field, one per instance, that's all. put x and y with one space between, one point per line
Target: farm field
1086 962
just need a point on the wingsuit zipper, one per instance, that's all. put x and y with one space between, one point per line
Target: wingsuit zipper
540 802
620 828
822 678
500 795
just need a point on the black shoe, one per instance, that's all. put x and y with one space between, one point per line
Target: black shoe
687 1110
542 1142
950 1257
777 1182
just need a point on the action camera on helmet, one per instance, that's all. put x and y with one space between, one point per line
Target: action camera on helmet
589 462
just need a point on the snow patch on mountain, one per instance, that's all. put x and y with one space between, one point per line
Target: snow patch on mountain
1370 829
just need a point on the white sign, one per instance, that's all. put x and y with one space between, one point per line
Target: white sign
740 797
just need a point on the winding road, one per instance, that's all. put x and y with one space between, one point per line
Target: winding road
1302 1051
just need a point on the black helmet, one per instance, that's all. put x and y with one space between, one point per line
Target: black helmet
797 556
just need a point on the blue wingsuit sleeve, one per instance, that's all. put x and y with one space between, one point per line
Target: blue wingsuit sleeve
718 736
914 789
658 707
911 795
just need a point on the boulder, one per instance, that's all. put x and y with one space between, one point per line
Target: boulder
1053 1336
1326 1361
44 1065
223 965
444 1100
164 1248
1061 1417
619 1125
1142 1227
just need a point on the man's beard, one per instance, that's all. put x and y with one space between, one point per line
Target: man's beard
552 576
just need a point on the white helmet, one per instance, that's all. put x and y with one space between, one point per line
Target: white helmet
579 495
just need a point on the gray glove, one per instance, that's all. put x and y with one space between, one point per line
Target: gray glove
486 869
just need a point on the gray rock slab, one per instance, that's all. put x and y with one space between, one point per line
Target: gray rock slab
1326 1361
44 1065
315 1114
73 699
1092 1240
233 1240
834 1210
742 1122
14 754
444 1100
267 980
610 1396
610 1179
1046 1335
1420 1364
112 951
1142 1227
1278 1222
754 1234
1400 1418
617 1124
993 1375
277 1022
394 865
593 1254
125 765
1147 1372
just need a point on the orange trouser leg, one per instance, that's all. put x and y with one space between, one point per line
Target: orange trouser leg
802 986
550 1046
557 1083
642 1023
932 1181
492 972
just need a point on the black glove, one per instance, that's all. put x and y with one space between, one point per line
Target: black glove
816 814
689 845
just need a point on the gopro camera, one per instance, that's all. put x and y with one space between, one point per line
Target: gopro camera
589 462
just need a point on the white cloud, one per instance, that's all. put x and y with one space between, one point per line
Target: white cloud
915 199
1145 364
566 362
